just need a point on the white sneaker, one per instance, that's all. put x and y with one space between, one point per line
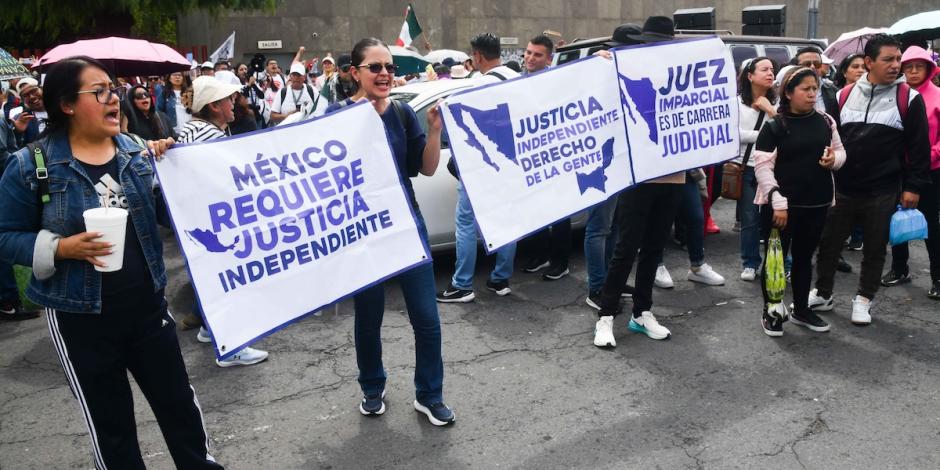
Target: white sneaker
203 336
648 325
749 274
245 357
663 279
706 275
861 311
817 303
604 332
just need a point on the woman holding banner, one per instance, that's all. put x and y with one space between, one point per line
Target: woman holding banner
796 153
756 102
107 315
374 72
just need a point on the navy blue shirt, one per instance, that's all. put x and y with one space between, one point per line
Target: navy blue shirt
407 140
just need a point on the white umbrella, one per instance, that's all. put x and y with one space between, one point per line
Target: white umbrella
850 43
439 55
926 25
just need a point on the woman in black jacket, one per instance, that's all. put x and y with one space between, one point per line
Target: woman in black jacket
143 118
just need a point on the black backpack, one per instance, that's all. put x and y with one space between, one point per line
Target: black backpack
313 96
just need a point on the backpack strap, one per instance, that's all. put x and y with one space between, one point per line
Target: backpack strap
904 99
497 75
844 95
400 111
283 95
315 97
42 173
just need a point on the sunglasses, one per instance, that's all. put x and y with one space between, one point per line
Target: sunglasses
377 68
346 68
811 63
141 96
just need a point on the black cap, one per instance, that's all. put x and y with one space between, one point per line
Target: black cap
344 59
656 28
621 36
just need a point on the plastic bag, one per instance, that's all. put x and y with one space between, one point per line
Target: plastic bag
775 276
907 225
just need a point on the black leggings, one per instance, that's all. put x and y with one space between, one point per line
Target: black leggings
799 238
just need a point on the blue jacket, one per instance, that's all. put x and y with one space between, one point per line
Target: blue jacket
29 234
166 103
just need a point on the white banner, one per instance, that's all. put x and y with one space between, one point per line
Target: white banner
680 105
536 150
279 223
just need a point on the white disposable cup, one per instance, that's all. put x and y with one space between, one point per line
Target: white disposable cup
112 224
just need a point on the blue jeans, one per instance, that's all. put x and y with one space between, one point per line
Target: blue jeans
750 221
599 242
467 248
417 287
8 289
692 213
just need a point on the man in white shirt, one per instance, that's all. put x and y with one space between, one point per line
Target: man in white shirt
297 96
485 51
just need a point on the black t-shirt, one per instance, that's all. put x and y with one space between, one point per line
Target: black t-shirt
800 144
130 288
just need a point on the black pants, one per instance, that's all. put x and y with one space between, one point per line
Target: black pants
799 238
928 205
553 242
873 213
644 216
97 351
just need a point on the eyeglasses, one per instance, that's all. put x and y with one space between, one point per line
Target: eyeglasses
103 95
914 66
377 68
811 63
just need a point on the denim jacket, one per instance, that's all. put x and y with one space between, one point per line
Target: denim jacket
166 103
29 234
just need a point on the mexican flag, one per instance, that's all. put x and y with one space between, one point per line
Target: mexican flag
410 29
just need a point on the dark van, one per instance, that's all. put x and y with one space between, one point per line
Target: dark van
781 49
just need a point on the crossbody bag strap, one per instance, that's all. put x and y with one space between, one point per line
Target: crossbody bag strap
750 146
42 173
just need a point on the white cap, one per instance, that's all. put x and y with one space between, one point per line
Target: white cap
228 77
328 59
207 65
207 90
297 68
25 82
782 73
459 71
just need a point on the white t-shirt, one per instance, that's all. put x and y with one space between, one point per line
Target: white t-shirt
182 117
294 97
491 75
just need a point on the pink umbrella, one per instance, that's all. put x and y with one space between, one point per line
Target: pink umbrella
125 57
852 42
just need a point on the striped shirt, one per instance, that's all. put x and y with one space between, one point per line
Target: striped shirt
198 130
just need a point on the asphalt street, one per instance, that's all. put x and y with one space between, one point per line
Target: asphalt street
531 391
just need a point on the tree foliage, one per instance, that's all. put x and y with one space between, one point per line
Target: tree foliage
47 20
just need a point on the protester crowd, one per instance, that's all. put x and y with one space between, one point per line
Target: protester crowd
826 157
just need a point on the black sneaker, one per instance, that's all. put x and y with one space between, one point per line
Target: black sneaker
372 405
934 292
627 291
843 266
809 320
501 288
555 273
772 326
594 300
893 279
13 311
854 245
455 295
438 413
535 265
